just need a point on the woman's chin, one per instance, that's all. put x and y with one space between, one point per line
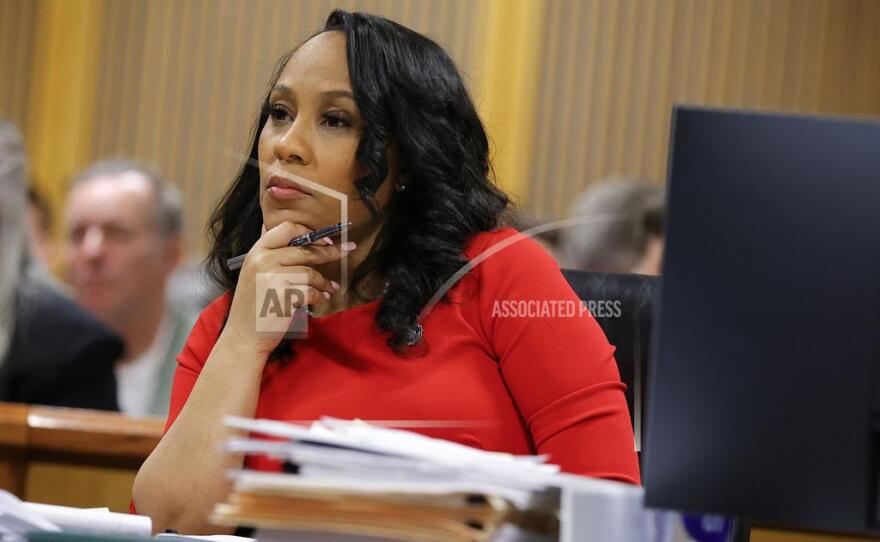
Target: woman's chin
276 216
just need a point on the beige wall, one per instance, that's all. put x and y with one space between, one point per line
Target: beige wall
17 31
182 81
615 67
177 83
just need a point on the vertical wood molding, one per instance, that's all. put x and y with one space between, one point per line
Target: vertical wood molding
509 86
17 24
63 93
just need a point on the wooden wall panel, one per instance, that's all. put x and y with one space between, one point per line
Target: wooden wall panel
17 32
626 62
182 81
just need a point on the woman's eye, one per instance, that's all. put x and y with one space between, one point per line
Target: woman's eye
278 113
335 120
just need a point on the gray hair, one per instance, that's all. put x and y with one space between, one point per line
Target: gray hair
618 242
168 209
13 233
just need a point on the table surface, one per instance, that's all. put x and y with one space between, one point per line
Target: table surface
97 454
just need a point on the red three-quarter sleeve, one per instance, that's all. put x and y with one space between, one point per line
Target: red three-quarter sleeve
558 366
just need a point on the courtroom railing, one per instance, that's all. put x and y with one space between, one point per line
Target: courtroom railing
73 457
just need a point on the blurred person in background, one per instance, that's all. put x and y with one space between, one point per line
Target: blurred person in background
654 221
51 352
539 229
190 288
123 228
627 233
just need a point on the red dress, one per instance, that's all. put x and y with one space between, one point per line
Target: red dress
490 376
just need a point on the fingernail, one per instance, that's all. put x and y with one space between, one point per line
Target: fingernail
335 285
328 241
326 295
349 246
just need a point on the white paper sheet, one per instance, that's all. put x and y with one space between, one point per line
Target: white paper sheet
16 520
81 520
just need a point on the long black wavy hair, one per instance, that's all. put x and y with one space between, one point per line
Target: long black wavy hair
412 100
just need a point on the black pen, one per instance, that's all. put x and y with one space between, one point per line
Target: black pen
303 240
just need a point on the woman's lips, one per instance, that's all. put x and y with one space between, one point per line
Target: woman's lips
281 188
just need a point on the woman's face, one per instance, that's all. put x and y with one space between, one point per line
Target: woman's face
307 146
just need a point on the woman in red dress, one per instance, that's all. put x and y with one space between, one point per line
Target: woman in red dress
372 118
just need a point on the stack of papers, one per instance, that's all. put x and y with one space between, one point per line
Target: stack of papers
349 480
19 519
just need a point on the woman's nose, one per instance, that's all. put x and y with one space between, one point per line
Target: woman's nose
292 146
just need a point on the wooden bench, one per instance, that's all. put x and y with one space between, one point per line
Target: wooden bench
73 457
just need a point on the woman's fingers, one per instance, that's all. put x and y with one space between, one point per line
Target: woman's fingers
312 254
272 250
280 235
312 296
286 257
315 279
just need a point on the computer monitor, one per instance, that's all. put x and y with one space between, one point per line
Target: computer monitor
763 394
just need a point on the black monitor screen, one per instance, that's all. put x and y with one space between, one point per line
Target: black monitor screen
763 378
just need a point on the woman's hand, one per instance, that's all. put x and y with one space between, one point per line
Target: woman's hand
184 477
275 275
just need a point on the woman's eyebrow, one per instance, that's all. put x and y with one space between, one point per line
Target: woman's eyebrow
338 94
284 90
287 92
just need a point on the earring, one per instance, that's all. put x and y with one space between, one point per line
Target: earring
414 335
401 187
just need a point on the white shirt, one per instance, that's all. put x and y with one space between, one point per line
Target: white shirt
136 380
